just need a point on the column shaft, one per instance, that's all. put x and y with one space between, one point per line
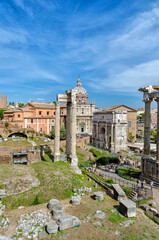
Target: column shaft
112 137
57 133
68 130
157 140
147 127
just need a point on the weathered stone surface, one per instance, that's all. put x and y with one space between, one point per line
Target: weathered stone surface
99 195
66 222
52 227
144 207
153 210
2 193
127 208
30 224
100 215
76 200
5 238
96 224
52 203
57 212
127 223
42 235
118 192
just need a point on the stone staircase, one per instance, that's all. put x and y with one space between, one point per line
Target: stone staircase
133 196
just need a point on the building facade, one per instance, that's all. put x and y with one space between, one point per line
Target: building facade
39 116
110 130
131 117
85 110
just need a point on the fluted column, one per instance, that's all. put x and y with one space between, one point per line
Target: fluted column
57 132
147 127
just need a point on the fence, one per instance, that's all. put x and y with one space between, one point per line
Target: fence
141 193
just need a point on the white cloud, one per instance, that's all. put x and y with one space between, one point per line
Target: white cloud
128 81
13 35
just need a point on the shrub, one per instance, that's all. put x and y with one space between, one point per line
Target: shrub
1 186
6 124
95 152
36 200
129 172
103 161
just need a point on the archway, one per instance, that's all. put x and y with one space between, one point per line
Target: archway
18 134
82 127
101 137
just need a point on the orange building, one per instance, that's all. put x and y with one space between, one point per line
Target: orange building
39 116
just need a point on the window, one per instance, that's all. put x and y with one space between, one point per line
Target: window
40 113
47 113
18 115
129 123
52 120
54 113
32 120
41 129
82 111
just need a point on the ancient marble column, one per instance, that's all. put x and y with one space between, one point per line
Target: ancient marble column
68 140
57 132
157 140
112 137
106 141
73 156
147 127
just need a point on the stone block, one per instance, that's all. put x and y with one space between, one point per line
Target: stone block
42 235
118 192
76 200
57 212
66 222
100 215
127 208
99 196
2 193
52 203
52 227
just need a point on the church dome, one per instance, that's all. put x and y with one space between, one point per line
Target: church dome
79 87
81 95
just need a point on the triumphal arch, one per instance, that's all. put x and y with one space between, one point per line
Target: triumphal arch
149 165
70 98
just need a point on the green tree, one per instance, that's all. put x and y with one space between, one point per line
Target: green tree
62 133
130 137
6 124
20 105
1 114
52 133
153 134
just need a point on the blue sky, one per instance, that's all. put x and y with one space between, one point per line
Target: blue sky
112 44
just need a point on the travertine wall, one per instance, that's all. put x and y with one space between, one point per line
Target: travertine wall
34 157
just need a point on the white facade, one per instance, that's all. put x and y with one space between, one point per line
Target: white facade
110 130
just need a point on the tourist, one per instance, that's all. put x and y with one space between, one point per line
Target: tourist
144 184
151 184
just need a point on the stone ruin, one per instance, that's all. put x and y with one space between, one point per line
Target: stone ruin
70 98
150 166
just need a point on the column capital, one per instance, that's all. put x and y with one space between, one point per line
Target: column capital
57 103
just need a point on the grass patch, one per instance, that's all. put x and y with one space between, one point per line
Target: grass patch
115 218
127 191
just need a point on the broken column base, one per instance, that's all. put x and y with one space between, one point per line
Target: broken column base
74 164
57 158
